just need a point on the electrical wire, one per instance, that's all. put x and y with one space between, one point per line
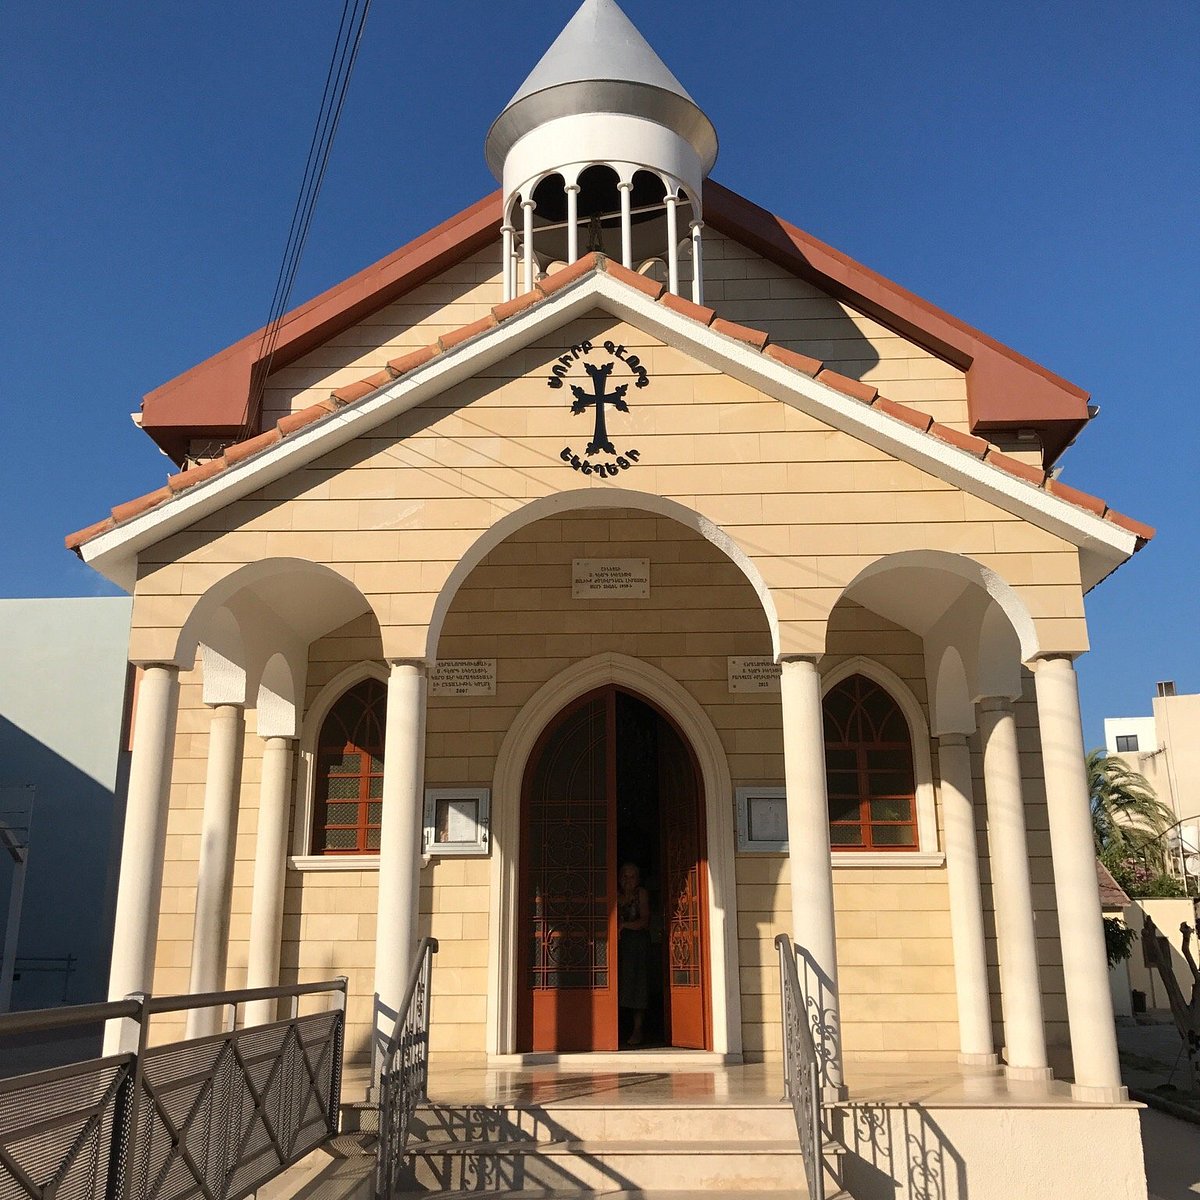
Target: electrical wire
329 115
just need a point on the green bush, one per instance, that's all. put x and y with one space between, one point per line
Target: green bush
1118 940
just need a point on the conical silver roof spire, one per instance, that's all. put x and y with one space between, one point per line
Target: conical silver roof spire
599 42
600 64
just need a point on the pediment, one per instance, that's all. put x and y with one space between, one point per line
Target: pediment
513 354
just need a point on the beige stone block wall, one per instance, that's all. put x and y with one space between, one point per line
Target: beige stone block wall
395 510
744 287
740 284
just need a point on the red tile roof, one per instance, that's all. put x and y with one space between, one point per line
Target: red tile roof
355 392
1005 391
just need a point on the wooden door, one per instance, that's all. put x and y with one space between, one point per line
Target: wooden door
567 924
685 901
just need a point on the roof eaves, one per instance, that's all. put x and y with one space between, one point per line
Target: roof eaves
354 393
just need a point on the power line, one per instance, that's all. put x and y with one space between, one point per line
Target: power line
329 115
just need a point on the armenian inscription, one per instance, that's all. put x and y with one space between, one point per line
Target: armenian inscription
599 391
463 677
753 674
610 578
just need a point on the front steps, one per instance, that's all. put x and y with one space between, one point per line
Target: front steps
665 1152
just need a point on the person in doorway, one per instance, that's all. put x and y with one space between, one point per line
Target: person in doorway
633 949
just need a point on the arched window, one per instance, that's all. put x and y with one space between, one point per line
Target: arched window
869 769
349 773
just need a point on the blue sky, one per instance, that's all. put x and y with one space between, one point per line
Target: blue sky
1033 169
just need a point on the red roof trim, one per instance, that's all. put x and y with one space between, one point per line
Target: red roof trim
355 392
1005 390
211 397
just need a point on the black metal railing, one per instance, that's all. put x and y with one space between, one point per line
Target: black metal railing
404 1078
801 1069
212 1118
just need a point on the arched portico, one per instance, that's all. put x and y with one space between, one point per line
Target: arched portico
979 637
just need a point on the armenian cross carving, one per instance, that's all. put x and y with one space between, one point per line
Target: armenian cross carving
599 398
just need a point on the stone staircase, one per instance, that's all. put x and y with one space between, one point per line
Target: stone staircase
669 1151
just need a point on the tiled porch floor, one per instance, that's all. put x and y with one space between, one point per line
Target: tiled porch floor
662 1082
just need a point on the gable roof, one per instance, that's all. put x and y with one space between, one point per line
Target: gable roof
1005 390
1105 536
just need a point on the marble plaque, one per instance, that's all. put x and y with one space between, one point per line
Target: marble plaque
610 578
463 677
754 674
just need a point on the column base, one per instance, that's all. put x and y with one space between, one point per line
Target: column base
1099 1095
979 1060
1029 1074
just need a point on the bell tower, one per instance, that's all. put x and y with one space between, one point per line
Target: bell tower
602 149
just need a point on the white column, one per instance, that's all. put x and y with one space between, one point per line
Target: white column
572 222
626 224
1021 996
1080 924
672 246
139 893
966 907
214 882
697 264
810 862
270 866
506 241
527 206
399 838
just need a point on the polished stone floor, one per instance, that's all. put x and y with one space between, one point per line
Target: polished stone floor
661 1082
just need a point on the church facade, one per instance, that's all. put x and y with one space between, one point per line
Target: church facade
616 520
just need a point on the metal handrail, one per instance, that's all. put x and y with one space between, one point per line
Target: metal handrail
265 1096
404 1078
801 1069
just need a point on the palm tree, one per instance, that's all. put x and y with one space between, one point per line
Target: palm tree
1128 819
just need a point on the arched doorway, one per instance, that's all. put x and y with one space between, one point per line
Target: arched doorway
611 780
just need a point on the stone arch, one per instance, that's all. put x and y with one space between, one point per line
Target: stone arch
321 596
925 565
655 685
559 503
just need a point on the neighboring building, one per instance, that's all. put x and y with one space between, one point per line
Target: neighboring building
577 531
63 766
1165 748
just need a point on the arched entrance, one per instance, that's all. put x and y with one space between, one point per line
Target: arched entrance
611 780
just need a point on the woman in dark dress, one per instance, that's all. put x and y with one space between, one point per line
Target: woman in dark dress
633 952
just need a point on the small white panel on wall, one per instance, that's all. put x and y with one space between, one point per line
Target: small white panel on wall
457 821
757 673
762 820
610 578
463 677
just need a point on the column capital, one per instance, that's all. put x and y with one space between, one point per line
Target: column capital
418 664
625 185
1000 704
814 659
697 224
530 203
571 187
508 227
154 664
951 739
1054 656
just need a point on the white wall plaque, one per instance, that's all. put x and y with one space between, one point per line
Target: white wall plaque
610 578
463 677
457 820
762 820
754 674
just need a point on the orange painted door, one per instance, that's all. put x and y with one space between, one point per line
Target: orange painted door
568 936
684 898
